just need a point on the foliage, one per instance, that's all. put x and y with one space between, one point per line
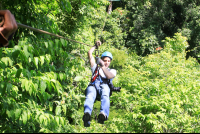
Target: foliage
176 44
32 90
161 94
112 33
149 24
34 13
120 58
43 80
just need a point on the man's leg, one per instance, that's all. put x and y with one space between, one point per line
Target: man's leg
105 103
88 105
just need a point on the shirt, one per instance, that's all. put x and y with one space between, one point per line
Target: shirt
113 71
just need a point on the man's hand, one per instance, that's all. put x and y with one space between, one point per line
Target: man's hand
97 44
9 26
99 61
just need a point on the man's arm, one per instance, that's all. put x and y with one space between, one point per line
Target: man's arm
91 58
108 74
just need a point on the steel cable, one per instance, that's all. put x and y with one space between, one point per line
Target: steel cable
51 34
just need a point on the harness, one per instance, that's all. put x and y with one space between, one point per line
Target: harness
96 75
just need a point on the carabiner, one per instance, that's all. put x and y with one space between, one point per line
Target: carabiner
98 53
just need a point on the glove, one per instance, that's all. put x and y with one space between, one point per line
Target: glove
99 61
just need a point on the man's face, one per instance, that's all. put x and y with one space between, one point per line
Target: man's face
106 61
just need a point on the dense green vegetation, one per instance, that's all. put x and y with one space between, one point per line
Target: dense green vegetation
43 79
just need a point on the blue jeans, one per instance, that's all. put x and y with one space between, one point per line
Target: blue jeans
91 94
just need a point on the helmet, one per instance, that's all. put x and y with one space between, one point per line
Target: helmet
107 54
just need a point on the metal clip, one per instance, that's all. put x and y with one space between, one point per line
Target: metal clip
98 53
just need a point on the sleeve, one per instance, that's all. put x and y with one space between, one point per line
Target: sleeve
93 68
113 71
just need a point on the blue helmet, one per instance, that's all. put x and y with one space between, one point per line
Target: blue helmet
107 54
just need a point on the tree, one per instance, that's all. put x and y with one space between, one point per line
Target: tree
149 24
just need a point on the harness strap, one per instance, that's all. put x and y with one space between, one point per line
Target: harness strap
95 74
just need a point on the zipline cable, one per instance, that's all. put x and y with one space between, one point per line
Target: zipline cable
45 32
103 25
97 48
51 34
42 31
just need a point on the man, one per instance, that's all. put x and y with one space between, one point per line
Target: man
99 86
8 28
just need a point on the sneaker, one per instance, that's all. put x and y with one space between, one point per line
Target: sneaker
101 118
86 119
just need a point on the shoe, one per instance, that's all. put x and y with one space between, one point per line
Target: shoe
101 118
86 119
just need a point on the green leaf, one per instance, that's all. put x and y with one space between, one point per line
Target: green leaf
10 62
29 60
64 109
45 96
5 73
41 118
64 43
18 73
26 51
15 54
35 87
3 88
46 44
5 60
15 91
2 65
53 80
57 42
28 114
50 106
36 62
9 87
58 110
43 86
57 120
78 78
74 51
69 7
48 58
31 88
17 113
27 85
23 84
8 113
43 130
58 85
48 118
42 60
24 117
26 72
49 86
62 122
61 76
45 122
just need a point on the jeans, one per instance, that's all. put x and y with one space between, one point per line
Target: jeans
91 94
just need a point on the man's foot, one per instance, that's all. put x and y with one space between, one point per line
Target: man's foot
101 118
86 119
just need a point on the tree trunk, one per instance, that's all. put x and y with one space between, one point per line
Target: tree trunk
110 8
